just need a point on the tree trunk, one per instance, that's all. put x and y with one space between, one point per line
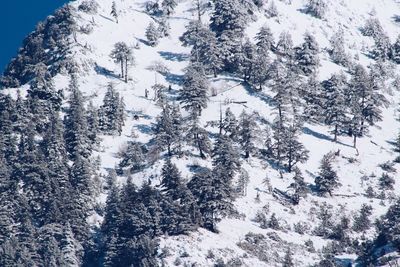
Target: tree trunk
122 69
126 70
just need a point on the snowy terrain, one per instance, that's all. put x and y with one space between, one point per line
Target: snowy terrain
203 247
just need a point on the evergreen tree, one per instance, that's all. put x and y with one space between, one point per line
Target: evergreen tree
265 40
193 95
112 112
299 186
284 46
288 260
42 87
295 150
362 221
247 133
93 124
114 11
123 55
317 8
198 136
334 103
386 182
307 55
311 93
152 34
133 157
327 179
171 181
76 133
229 125
337 51
168 7
212 198
395 54
228 15
168 129
389 224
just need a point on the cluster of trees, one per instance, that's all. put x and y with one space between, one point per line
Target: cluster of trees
46 45
47 177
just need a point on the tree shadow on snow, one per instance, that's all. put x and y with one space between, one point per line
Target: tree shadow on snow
171 56
107 18
105 72
174 78
321 136
146 129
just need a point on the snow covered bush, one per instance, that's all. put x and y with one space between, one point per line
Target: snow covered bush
317 8
89 6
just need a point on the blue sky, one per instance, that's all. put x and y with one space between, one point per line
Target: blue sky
17 19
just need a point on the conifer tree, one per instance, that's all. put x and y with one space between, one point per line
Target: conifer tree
152 34
171 181
317 8
197 136
247 133
264 40
114 11
193 95
334 103
337 51
228 15
123 55
112 112
133 157
327 179
299 186
76 133
307 55
168 7
168 129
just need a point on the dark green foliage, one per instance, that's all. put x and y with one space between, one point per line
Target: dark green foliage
327 179
112 112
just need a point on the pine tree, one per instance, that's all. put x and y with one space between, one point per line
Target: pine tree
168 129
171 181
133 157
288 260
317 8
197 136
395 54
265 41
114 11
93 124
248 132
299 186
112 112
295 150
386 182
76 133
337 51
71 250
311 93
334 103
152 34
168 7
307 55
123 55
229 125
389 224
228 15
193 95
212 197
362 221
42 87
284 46
327 179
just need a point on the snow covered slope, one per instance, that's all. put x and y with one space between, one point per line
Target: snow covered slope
97 69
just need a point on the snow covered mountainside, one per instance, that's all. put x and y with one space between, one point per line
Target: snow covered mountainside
314 206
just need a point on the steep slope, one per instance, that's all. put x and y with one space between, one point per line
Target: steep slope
266 247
